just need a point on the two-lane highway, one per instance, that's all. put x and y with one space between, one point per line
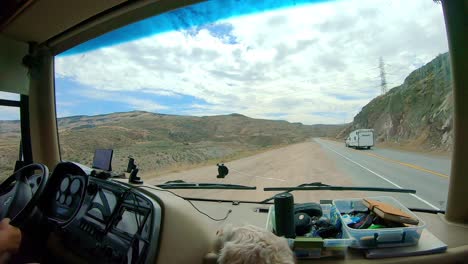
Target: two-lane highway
428 175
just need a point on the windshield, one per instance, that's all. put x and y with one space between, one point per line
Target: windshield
347 93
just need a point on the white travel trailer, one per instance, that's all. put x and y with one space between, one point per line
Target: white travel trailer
360 138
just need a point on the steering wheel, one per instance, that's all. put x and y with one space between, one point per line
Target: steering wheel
19 193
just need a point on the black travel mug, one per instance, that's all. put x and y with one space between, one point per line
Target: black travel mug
284 215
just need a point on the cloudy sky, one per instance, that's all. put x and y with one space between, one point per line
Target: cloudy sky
313 63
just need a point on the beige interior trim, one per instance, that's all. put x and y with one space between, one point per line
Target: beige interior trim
43 123
444 219
16 14
453 255
44 19
13 75
456 21
186 234
101 24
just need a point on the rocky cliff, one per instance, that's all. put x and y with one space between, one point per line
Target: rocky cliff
419 112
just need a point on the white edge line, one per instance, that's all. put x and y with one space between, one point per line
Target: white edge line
382 177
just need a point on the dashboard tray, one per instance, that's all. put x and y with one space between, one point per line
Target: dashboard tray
383 237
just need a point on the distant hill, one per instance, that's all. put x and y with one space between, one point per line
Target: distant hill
417 113
160 142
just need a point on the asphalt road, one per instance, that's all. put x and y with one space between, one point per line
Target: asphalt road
329 162
426 174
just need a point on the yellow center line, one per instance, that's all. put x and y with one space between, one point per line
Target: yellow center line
416 167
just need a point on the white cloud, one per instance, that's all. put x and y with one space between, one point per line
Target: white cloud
9 113
133 102
296 61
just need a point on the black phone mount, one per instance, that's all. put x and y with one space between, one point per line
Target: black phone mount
133 170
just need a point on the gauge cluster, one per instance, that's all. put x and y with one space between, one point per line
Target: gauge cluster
68 196
65 193
101 220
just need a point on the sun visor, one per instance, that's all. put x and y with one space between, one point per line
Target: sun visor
13 75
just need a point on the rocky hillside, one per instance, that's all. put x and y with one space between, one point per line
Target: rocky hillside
161 142
417 113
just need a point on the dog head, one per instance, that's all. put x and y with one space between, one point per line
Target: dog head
251 244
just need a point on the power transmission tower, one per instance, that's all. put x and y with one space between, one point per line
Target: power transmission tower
383 81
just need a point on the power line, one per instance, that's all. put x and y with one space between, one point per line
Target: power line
383 81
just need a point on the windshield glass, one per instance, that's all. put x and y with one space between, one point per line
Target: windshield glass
347 93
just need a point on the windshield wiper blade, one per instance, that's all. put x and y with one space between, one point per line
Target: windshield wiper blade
338 188
186 185
318 186
425 210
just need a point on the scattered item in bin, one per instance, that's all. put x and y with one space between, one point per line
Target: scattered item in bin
365 222
316 225
251 244
389 212
324 229
312 209
303 223
335 218
321 222
328 231
389 224
374 226
348 219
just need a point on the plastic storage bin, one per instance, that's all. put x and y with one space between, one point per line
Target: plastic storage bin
383 237
328 247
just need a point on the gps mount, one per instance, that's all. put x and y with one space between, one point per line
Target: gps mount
133 170
222 170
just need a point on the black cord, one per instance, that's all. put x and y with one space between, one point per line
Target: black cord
135 199
190 202
136 203
430 211
203 213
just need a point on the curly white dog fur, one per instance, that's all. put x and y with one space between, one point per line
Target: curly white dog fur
251 244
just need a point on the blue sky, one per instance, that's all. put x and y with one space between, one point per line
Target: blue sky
311 63
73 97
